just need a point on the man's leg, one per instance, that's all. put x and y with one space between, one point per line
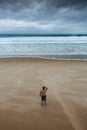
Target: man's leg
45 101
42 100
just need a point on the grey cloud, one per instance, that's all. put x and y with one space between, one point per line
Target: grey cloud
61 13
69 3
18 4
40 9
31 12
43 11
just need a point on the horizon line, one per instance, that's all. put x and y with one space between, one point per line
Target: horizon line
15 34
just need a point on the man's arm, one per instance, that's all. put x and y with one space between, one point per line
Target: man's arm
46 88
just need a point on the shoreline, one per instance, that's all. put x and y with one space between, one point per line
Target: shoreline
51 57
42 58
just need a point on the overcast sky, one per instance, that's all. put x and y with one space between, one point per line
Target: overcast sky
43 16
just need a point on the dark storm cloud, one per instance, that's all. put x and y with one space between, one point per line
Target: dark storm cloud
49 3
68 3
38 15
40 9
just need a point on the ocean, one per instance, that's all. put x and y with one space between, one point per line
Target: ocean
52 47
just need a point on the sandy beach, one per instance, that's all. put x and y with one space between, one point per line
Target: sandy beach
20 106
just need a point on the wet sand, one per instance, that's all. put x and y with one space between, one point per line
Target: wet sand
20 82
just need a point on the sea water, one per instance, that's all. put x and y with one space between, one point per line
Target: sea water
59 47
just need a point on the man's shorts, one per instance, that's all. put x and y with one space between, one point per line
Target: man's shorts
43 98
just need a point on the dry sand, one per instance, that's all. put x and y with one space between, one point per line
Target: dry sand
20 106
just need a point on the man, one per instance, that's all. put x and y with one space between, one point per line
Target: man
43 95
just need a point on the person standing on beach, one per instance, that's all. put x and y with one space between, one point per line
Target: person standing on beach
43 95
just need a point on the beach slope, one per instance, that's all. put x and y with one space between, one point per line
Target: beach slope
20 106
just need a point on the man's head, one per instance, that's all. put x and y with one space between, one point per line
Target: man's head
43 87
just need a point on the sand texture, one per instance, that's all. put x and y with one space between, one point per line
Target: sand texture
20 105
